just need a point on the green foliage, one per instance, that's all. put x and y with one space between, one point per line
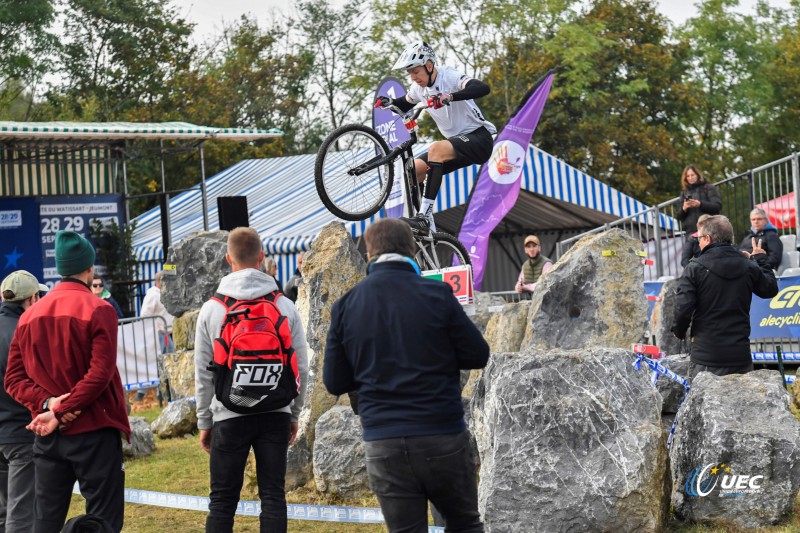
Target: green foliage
115 253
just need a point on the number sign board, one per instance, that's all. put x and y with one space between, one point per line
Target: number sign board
28 227
459 278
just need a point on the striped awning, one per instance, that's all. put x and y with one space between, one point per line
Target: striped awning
127 130
285 209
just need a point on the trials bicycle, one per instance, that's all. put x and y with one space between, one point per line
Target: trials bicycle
354 172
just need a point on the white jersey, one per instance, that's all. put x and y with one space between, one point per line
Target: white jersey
458 118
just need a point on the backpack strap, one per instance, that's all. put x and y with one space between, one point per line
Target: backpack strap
227 301
272 298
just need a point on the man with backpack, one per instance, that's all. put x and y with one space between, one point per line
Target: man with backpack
251 369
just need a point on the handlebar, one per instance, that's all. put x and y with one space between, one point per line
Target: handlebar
412 113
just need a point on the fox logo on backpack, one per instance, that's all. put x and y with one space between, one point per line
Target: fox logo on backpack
255 367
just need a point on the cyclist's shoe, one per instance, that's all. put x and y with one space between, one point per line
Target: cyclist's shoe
419 223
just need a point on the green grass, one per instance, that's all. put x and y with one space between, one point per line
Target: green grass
180 466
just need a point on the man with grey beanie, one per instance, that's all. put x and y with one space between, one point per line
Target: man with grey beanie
62 366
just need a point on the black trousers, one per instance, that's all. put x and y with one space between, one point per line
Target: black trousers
94 459
695 368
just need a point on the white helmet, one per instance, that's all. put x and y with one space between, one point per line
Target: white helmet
415 54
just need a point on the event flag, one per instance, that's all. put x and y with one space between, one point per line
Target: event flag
497 187
391 128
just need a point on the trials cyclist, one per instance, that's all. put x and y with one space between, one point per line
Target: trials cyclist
450 95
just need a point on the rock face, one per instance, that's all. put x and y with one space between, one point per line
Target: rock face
177 374
183 330
661 321
178 418
569 441
485 304
589 299
339 464
731 430
506 328
200 264
333 267
671 391
142 442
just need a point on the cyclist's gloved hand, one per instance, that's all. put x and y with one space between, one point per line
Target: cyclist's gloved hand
383 101
438 101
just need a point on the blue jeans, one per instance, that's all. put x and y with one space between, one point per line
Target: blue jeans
231 440
16 488
406 472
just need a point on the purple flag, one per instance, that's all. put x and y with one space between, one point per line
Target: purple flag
391 128
497 187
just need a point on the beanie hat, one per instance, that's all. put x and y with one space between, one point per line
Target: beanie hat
19 285
74 253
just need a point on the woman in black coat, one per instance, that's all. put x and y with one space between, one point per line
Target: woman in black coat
698 197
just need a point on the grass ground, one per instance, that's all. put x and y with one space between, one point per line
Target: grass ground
180 466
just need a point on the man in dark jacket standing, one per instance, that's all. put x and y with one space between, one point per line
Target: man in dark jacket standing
768 235
62 366
20 290
399 341
714 296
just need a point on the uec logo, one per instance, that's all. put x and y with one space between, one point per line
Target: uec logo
788 297
702 480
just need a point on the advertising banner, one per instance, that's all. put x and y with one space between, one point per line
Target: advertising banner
391 128
780 316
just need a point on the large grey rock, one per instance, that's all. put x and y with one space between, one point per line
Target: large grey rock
176 371
142 443
741 426
661 321
485 305
333 267
200 263
672 392
589 299
506 327
184 328
299 467
339 464
178 418
569 441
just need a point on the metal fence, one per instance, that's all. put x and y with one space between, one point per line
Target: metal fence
664 237
138 349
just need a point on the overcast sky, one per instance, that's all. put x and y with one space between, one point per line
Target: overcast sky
209 14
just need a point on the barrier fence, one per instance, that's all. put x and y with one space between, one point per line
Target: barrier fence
138 348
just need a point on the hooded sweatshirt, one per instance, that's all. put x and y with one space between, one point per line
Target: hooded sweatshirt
244 284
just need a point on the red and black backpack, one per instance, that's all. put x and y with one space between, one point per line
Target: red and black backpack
255 366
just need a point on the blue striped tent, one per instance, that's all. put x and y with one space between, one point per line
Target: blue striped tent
286 211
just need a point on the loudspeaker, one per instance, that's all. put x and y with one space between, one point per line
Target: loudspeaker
232 212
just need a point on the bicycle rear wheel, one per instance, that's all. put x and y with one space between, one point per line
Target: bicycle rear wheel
350 192
440 250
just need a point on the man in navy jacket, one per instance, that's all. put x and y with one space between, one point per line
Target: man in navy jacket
399 341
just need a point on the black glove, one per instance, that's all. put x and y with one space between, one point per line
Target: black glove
383 101
438 101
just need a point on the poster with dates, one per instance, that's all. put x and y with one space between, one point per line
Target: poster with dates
28 227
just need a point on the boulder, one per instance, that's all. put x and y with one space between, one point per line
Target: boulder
672 392
735 459
661 321
178 418
183 330
506 328
322 286
142 443
485 306
199 260
591 299
299 468
176 371
339 462
569 441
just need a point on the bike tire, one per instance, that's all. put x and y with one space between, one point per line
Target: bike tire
440 248
348 196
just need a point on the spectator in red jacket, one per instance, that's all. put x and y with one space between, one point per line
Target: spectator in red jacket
62 366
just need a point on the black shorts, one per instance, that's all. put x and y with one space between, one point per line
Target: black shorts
474 148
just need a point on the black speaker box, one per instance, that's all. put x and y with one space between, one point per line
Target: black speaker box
232 212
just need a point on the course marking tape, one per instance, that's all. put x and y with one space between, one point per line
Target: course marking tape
773 356
142 385
295 511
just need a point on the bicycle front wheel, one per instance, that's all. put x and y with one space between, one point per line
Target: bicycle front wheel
440 250
351 180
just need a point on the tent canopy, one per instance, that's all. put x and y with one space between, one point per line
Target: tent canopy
127 130
781 211
284 207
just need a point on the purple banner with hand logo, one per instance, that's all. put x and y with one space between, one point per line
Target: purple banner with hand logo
391 128
497 187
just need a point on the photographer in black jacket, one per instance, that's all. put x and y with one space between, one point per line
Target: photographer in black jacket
714 296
